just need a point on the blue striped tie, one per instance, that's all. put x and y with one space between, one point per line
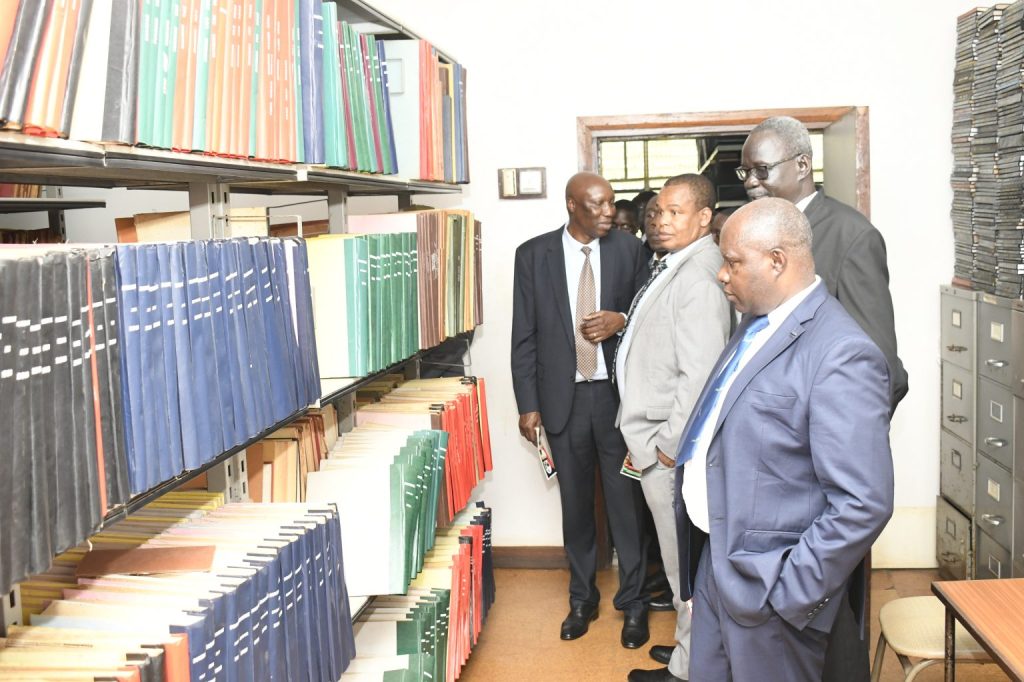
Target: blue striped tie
714 394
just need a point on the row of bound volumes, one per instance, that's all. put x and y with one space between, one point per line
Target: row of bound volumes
191 589
428 632
274 80
218 346
64 463
409 466
396 283
121 367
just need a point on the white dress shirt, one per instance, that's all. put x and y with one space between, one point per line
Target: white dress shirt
574 260
672 261
803 203
695 479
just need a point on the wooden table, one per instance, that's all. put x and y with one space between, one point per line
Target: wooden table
993 612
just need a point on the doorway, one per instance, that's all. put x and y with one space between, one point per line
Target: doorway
845 168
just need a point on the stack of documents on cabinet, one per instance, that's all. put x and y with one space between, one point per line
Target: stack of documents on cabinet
248 591
965 171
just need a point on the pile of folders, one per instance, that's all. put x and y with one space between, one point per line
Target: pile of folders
121 367
274 80
988 149
236 591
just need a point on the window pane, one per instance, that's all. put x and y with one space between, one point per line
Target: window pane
635 159
817 152
671 157
612 162
627 186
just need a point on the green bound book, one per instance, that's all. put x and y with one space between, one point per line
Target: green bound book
202 59
357 279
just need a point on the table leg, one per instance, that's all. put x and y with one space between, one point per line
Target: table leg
949 661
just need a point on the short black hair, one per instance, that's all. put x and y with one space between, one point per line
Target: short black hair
701 189
625 205
641 199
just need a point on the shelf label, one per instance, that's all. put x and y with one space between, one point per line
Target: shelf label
993 490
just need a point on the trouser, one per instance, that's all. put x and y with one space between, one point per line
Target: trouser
658 482
591 440
723 650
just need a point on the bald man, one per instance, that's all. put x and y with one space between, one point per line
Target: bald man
571 291
784 469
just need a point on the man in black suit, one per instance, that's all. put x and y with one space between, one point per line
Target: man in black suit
572 289
849 256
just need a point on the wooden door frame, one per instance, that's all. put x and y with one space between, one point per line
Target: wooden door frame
591 129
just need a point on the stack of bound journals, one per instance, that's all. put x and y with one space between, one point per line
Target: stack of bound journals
249 591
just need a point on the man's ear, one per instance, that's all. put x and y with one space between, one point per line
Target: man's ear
706 214
804 166
779 261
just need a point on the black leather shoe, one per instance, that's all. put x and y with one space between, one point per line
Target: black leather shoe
661 602
656 582
662 654
635 632
577 622
659 675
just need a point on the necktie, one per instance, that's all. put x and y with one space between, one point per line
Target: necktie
586 303
714 394
657 267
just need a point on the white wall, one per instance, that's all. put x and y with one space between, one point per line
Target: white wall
535 65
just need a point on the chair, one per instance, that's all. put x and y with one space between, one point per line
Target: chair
915 627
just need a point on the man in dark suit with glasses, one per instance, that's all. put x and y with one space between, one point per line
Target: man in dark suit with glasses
849 256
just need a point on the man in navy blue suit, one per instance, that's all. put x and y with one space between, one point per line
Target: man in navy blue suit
784 469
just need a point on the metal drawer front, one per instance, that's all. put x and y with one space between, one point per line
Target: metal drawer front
995 348
993 500
952 541
1018 529
958 326
1017 317
958 401
995 421
992 560
956 472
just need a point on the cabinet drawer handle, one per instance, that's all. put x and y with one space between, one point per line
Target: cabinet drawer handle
995 442
993 519
996 364
953 348
956 418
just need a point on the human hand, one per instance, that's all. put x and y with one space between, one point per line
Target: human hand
665 459
601 324
528 425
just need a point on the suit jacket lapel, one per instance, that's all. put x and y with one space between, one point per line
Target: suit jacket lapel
559 286
609 264
663 287
791 329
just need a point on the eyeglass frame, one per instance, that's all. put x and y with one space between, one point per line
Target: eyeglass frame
762 175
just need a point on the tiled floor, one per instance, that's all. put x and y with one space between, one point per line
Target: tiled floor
520 639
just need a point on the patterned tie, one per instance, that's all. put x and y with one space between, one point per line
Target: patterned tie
714 394
657 267
586 303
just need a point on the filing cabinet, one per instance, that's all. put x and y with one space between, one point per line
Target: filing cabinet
956 473
953 541
995 339
993 560
980 513
958 401
995 422
958 327
993 500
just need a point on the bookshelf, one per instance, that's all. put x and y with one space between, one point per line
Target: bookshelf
209 181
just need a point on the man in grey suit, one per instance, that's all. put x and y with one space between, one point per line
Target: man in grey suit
677 325
572 288
784 467
849 256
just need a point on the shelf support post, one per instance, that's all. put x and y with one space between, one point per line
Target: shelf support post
404 201
208 206
337 210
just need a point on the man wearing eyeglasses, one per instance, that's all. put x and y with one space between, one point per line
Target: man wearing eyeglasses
849 256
